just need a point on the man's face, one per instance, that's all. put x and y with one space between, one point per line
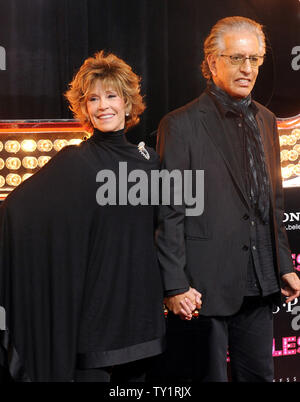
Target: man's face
236 80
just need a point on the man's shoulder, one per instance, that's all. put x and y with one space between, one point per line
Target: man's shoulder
264 111
190 109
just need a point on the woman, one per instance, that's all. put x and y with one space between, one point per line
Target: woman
79 276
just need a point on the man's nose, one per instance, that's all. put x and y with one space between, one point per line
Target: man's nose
246 66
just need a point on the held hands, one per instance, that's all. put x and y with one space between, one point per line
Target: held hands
184 304
292 286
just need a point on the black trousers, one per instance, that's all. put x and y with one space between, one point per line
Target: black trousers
197 349
129 372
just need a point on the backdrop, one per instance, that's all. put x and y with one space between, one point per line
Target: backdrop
44 42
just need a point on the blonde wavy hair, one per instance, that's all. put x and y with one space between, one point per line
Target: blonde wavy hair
113 72
213 44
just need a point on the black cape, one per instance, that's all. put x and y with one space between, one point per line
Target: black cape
80 282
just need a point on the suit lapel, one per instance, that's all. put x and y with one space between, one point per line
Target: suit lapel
214 128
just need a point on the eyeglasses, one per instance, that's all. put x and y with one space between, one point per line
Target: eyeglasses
239 59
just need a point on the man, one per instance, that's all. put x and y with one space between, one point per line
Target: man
236 253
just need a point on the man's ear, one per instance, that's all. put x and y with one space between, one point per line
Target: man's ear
211 61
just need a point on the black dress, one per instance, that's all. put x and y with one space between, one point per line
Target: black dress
80 282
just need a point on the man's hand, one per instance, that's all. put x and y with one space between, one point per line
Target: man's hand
292 286
184 304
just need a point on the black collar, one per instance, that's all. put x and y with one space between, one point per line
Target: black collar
112 137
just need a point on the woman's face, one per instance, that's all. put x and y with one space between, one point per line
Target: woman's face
106 109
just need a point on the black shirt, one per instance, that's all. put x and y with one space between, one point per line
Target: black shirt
261 276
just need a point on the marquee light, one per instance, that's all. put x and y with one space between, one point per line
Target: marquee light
27 146
26 176
43 160
30 162
60 144
13 179
289 141
44 145
12 146
13 163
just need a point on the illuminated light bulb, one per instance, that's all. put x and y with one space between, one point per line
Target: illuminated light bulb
2 163
13 179
28 145
293 155
75 141
12 146
2 181
43 160
26 176
1 146
296 132
60 144
296 170
284 155
13 163
30 162
297 148
287 171
283 139
44 145
283 173
292 139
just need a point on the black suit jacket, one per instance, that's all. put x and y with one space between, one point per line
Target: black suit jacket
210 252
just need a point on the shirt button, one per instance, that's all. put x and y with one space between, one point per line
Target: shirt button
252 223
240 124
253 247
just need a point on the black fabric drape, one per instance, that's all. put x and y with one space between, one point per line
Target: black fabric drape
46 41
73 289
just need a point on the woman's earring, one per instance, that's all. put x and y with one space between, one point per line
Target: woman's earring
126 114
